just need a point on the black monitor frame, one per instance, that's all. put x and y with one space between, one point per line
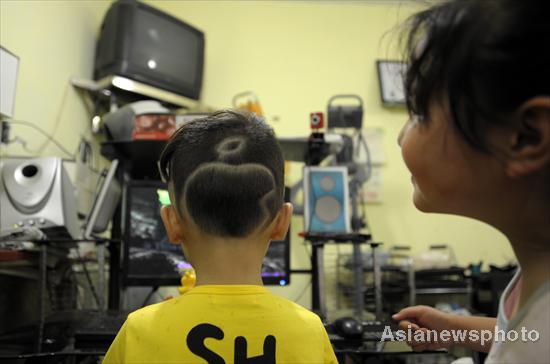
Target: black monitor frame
286 242
129 280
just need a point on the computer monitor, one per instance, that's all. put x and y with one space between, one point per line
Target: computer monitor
9 66
276 267
105 204
151 260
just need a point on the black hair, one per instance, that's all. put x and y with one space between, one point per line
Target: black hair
482 58
227 170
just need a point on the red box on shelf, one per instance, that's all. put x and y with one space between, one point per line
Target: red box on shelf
154 127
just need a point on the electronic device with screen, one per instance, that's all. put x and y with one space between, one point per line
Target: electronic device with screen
151 260
144 44
104 204
9 66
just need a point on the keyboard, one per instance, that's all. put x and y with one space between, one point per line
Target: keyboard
372 331
99 330
90 329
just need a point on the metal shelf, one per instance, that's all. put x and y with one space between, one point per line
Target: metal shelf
128 85
441 290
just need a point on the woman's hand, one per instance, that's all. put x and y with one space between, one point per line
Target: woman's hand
425 318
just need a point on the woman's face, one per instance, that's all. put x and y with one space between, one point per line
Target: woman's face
448 175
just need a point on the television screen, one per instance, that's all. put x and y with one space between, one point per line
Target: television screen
152 260
142 43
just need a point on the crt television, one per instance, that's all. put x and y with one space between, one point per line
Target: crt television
144 44
151 260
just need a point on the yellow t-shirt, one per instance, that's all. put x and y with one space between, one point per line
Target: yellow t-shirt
222 324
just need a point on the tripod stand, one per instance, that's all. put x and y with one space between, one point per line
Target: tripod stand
319 239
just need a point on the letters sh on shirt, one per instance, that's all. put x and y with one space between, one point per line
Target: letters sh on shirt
222 325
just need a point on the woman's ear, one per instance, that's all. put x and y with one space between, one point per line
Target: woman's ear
529 149
172 224
282 222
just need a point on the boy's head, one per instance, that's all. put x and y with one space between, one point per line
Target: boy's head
225 173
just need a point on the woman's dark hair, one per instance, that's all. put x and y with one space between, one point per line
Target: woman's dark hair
482 58
227 171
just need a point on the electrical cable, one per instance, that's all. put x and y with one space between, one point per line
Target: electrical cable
362 141
86 155
100 180
155 288
57 118
306 248
50 137
88 278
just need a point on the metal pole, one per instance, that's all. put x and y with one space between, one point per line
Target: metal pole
42 289
315 304
412 283
357 258
377 283
337 284
321 278
358 275
101 274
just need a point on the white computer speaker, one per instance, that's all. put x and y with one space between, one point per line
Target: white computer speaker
37 193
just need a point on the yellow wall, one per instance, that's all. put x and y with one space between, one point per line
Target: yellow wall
55 40
294 55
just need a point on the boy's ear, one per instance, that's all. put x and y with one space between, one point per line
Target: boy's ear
282 222
530 144
172 224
